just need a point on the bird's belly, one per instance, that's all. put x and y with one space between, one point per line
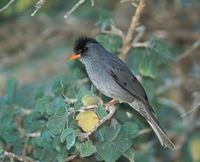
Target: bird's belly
105 83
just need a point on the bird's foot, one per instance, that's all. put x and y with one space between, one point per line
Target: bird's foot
108 105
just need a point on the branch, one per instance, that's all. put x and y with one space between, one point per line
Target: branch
77 5
38 6
134 23
7 5
16 157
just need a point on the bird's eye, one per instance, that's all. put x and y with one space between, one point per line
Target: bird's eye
85 49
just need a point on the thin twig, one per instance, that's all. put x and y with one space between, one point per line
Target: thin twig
7 5
188 51
38 5
142 45
134 23
114 31
16 157
77 5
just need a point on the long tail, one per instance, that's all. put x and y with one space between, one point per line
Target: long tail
153 122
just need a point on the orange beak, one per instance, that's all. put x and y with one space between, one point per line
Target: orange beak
74 56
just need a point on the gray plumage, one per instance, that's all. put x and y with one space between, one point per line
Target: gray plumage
114 79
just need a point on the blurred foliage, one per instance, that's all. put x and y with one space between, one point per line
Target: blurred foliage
44 121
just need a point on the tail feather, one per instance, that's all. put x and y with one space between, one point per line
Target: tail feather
162 136
153 122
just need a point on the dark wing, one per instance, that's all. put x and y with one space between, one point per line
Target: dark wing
126 80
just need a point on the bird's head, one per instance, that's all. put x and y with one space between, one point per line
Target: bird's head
84 47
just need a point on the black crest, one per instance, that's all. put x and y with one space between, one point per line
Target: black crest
81 42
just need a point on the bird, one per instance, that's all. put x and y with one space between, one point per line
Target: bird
112 77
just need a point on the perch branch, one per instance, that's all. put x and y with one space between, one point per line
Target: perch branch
38 6
134 23
7 5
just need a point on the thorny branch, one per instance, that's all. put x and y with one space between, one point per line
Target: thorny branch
7 5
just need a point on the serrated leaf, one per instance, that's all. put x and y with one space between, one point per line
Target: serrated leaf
87 120
86 149
101 112
56 124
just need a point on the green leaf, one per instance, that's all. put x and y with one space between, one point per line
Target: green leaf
70 139
158 54
56 124
86 149
161 47
129 154
101 112
116 142
57 107
148 66
108 152
10 89
122 143
129 130
113 130
65 133
58 87
43 104
111 42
